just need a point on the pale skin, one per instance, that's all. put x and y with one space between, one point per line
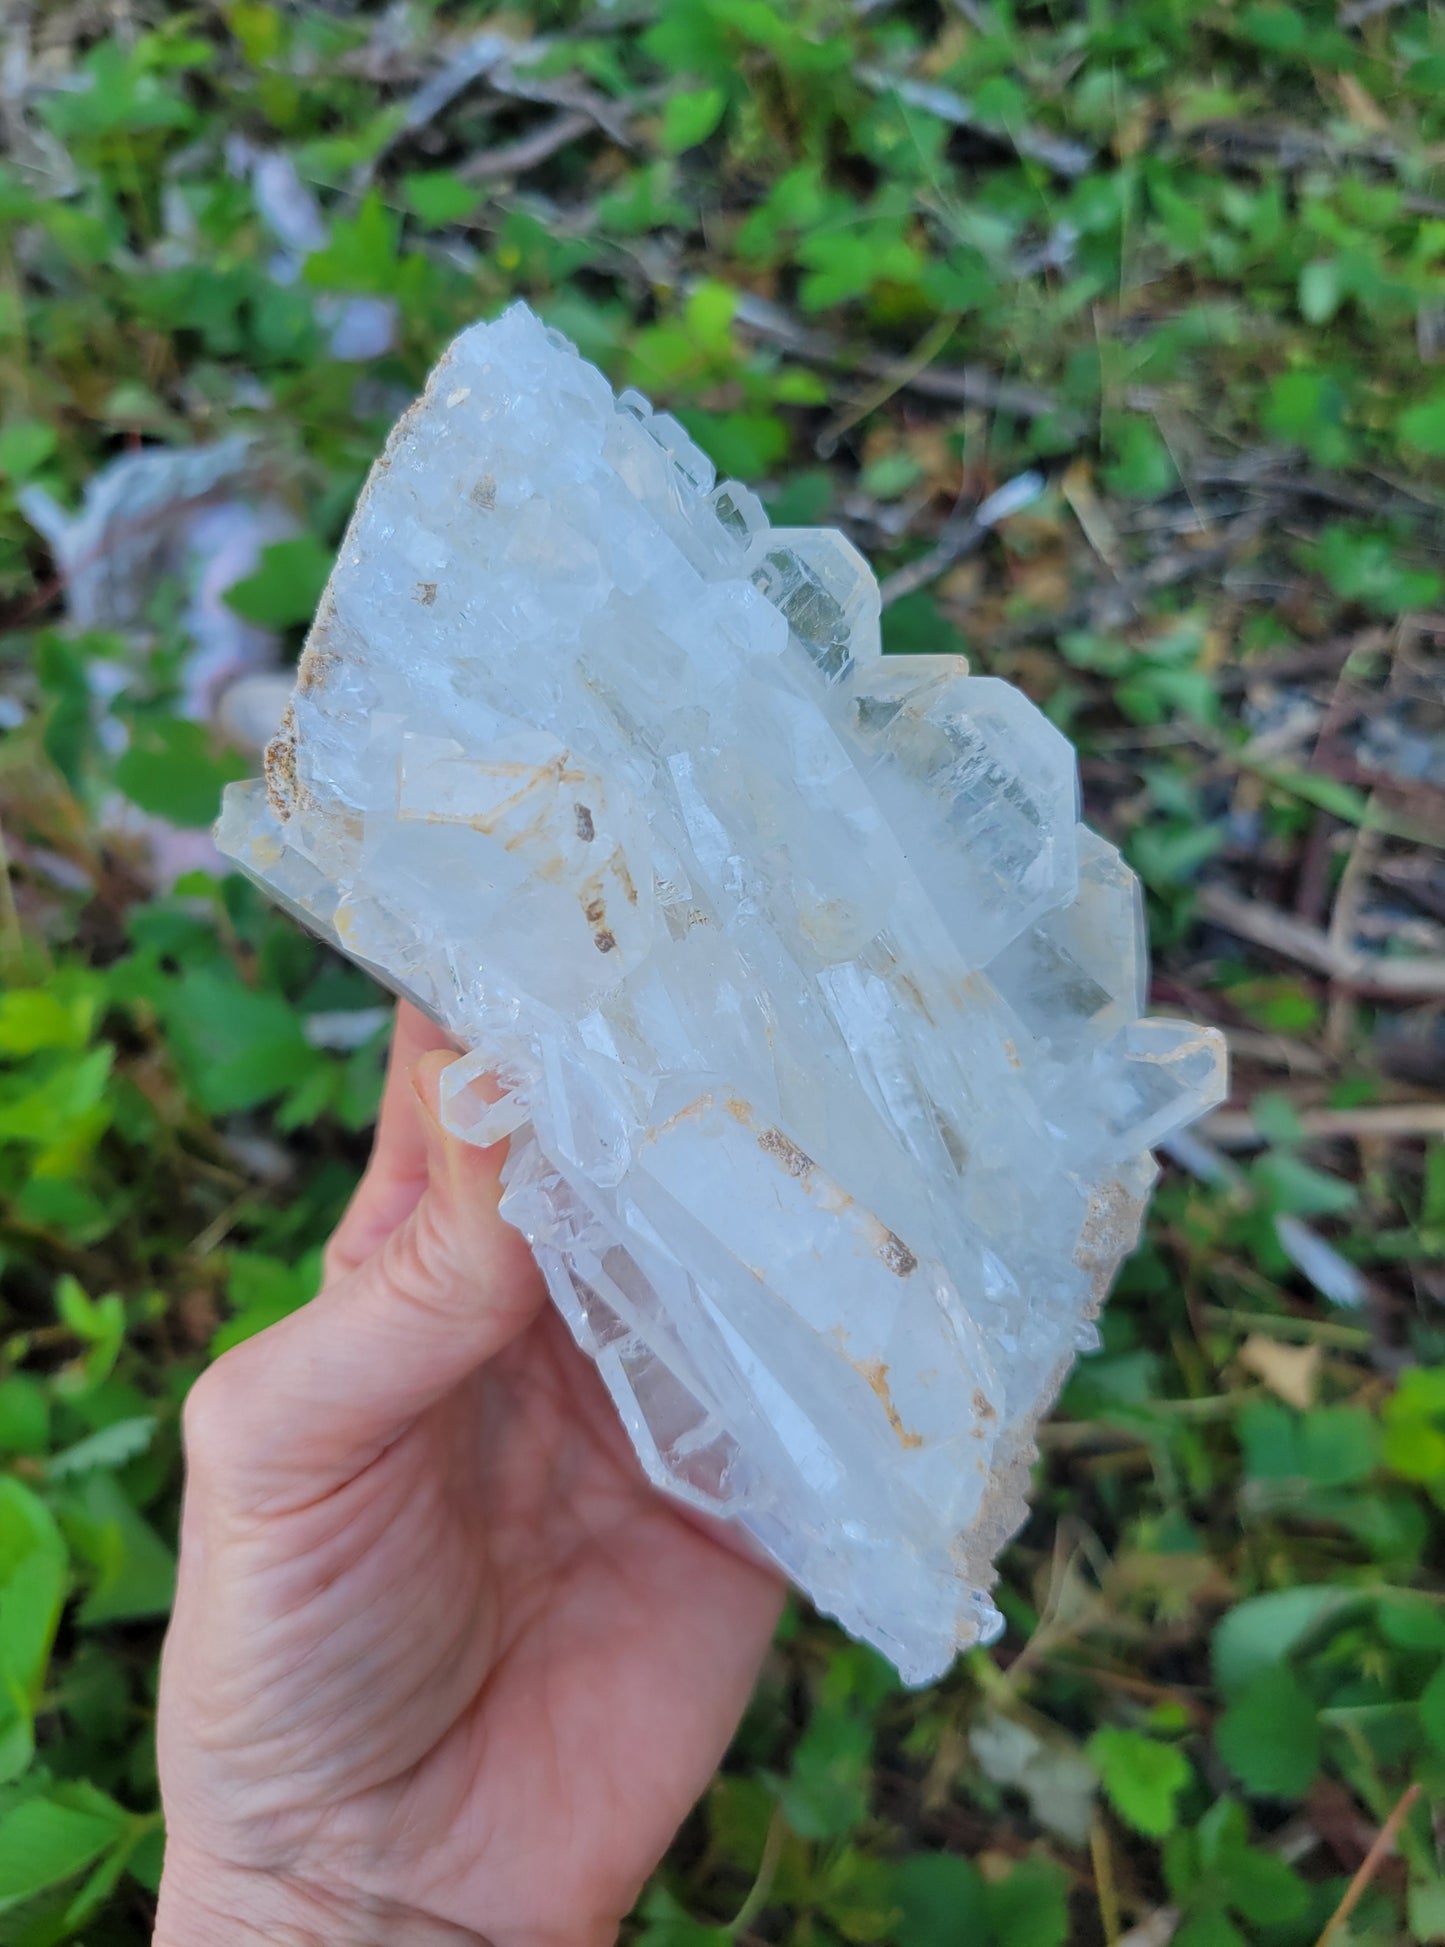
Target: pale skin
443 1668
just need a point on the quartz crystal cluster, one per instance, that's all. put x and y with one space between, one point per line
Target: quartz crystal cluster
815 1010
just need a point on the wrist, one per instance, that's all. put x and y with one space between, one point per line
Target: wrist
202 1905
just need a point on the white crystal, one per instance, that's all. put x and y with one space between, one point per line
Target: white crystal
815 1009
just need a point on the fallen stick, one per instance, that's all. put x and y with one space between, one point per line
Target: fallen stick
1382 1122
1420 978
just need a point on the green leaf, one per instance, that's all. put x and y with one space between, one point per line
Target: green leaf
1269 1736
1259 1633
174 770
1432 1710
111 1447
1143 1778
58 1107
33 1018
24 1415
437 197
25 446
742 445
1209 1930
691 118
1425 1907
34 1571
361 256
1142 468
236 1046
1031 1907
1423 427
262 1290
1290 1184
942 1898
1170 854
1260 1887
827 1791
100 1324
1366 566
47 1840
1308 408
286 586
135 1573
1320 291
1280 30
1338 1445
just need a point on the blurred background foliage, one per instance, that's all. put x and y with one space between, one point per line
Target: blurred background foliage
1115 333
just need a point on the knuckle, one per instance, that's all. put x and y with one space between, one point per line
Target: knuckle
431 1271
211 1419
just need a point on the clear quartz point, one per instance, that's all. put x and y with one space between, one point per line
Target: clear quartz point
808 1008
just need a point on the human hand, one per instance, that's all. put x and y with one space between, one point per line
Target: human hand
443 1666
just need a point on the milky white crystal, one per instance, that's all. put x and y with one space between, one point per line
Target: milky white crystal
817 1010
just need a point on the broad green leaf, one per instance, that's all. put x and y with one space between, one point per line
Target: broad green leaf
1142 1777
1260 1886
286 585
361 256
175 771
942 1899
25 446
1294 1186
111 1447
670 1925
24 1415
1282 30
134 1571
691 118
49 1839
826 1793
237 1046
1425 1906
52 1110
1320 291
1423 427
34 1571
438 197
1269 1736
34 1018
1030 1908
1432 1709
1214 1929
1142 468
1260 1633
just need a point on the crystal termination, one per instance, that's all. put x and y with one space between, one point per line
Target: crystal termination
815 1009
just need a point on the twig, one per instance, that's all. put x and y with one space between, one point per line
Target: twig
1370 1864
1420 978
966 383
762 1884
1361 10
1285 1325
923 354
1342 928
1157 1930
962 535
1057 152
1104 1887
958 540
514 158
1236 1128
12 940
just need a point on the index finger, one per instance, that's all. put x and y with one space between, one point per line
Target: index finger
396 1170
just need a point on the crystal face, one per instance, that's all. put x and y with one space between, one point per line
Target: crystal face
816 1010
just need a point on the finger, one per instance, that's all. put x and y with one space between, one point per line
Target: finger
310 1402
395 1174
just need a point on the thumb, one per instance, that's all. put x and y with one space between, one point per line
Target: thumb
312 1400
